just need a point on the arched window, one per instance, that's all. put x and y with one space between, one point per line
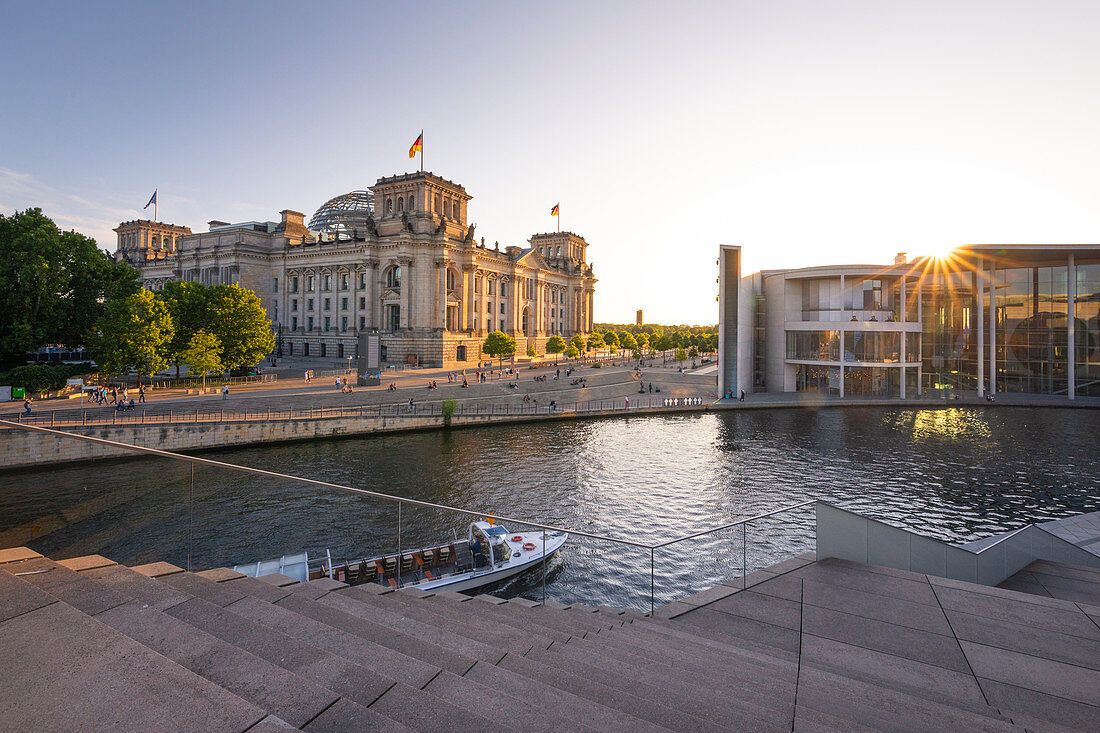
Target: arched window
525 319
393 277
454 209
400 203
439 205
412 204
450 279
389 206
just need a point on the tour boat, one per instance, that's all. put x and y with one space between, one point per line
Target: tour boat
488 555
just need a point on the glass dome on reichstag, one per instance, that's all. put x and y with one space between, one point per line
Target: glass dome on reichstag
344 213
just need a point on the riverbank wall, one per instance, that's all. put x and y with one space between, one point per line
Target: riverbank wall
23 449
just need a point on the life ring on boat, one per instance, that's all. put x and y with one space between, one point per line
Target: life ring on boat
518 538
528 546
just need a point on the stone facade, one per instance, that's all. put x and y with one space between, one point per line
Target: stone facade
417 274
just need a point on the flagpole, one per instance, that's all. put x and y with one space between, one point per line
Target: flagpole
421 151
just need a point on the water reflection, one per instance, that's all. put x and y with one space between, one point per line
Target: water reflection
955 474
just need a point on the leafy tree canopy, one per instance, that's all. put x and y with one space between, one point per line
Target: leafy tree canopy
555 345
237 317
499 345
595 341
54 285
203 354
572 352
187 303
134 334
578 342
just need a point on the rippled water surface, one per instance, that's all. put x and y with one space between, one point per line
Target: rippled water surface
956 474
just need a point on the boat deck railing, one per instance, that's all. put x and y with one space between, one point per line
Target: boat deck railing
743 525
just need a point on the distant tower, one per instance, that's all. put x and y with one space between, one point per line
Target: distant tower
639 317
141 240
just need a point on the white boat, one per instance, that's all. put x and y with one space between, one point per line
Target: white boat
488 555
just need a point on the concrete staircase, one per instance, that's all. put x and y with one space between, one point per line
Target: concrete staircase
87 644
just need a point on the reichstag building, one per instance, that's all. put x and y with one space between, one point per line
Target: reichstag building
400 259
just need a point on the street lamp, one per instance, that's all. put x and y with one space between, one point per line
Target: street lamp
349 366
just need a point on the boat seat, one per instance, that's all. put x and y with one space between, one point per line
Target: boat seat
406 563
368 571
429 556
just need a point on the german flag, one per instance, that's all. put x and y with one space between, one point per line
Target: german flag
554 211
418 146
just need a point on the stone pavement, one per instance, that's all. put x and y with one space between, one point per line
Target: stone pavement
808 645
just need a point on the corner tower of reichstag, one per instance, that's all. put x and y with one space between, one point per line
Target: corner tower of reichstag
400 260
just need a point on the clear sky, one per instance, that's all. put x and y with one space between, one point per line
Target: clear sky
807 132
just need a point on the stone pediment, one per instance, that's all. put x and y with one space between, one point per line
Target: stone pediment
533 259
389 293
452 298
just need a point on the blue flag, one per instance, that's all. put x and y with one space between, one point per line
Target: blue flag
152 199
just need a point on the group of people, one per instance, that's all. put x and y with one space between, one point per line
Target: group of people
344 386
114 396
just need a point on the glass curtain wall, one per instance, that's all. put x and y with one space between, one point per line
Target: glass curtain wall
949 347
813 345
1087 330
1032 323
881 346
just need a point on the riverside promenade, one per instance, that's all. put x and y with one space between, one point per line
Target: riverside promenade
292 409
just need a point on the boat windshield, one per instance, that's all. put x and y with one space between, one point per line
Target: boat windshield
496 531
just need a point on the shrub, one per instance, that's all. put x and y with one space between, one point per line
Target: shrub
448 408
43 377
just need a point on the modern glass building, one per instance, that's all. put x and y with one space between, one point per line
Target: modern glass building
986 318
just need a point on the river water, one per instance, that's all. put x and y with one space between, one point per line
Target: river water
955 474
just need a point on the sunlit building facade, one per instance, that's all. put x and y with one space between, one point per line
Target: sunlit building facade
986 318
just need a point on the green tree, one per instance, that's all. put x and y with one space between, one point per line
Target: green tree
186 301
54 285
531 351
572 352
642 339
499 345
237 317
578 342
595 341
681 355
693 353
203 354
555 345
134 334
627 341
611 340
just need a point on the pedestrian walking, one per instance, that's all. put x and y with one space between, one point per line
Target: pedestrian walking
225 391
412 407
141 394
27 407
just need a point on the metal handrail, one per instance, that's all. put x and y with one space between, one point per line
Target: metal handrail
417 502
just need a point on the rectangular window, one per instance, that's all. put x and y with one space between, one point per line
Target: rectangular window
343 323
275 312
327 326
294 305
504 290
309 283
477 284
309 304
362 322
344 281
294 323
328 282
274 284
502 309
309 323
362 304
294 285
362 279
343 304
492 287
328 303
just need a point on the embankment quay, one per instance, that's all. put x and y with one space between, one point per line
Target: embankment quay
293 410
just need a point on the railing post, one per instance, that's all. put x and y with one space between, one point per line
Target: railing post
52 414
399 553
651 551
744 556
544 567
83 417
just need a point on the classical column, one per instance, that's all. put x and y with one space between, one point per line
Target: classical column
441 294
1071 328
407 291
842 350
467 309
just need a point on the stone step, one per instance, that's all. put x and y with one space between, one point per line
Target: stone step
558 625
422 711
64 670
707 698
403 623
581 711
340 675
755 685
454 618
630 643
594 689
383 660
736 647
501 708
344 715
